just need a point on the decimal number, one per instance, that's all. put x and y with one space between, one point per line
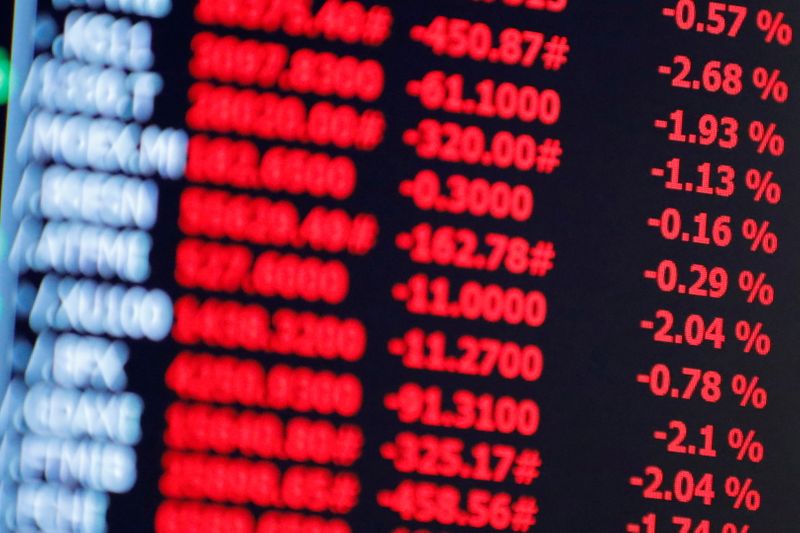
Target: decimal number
449 457
703 384
229 380
706 282
249 62
477 196
458 38
705 230
683 487
440 91
678 438
714 180
475 356
222 161
555 6
712 130
491 303
651 523
229 324
696 330
454 143
271 116
428 502
719 19
716 76
350 22
415 404
461 247
231 268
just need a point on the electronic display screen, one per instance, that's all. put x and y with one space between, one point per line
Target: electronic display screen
399 266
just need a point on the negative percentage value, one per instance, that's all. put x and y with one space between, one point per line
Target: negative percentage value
649 523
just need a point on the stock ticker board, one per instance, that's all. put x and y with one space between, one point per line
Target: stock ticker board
400 266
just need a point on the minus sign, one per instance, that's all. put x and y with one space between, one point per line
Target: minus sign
664 69
657 172
636 481
643 378
647 324
650 274
654 222
660 435
661 124
668 12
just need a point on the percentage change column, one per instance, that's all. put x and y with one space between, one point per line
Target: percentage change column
726 285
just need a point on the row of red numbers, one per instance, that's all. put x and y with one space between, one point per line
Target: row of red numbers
219 214
179 516
461 247
446 505
230 324
415 404
240 481
449 457
231 268
477 197
475 356
437 90
250 62
686 487
216 379
474 301
555 6
347 21
460 38
451 142
223 430
223 161
271 116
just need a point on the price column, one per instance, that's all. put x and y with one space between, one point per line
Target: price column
262 436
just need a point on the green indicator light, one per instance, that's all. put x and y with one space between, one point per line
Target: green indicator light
2 255
5 76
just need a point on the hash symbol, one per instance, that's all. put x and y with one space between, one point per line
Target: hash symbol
555 53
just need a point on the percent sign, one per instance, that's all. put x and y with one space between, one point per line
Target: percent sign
753 337
775 27
763 186
767 138
746 445
757 288
749 391
743 493
771 85
760 236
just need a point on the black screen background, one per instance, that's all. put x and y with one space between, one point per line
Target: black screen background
596 420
